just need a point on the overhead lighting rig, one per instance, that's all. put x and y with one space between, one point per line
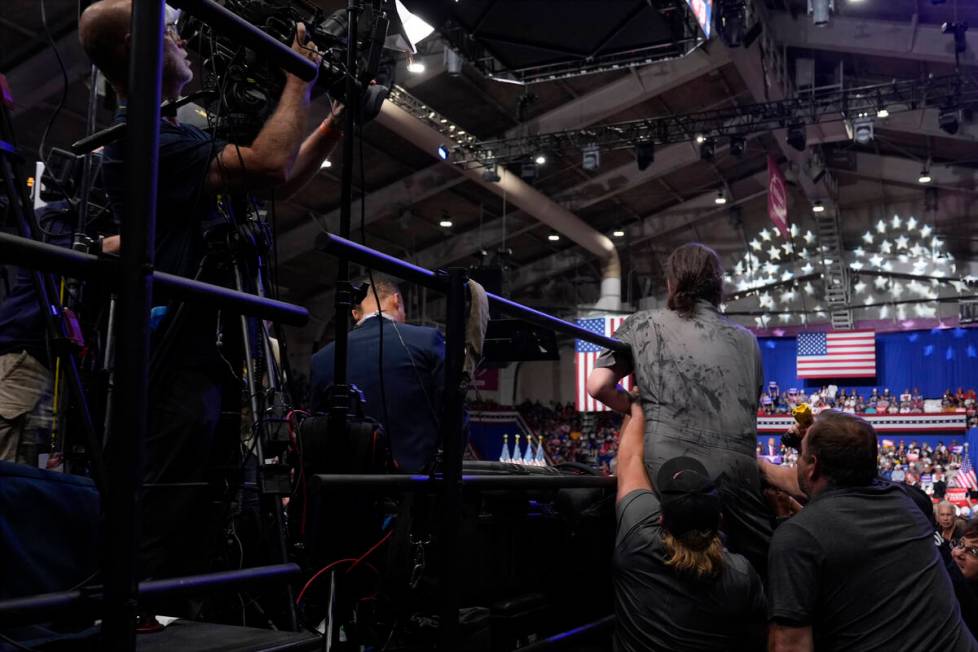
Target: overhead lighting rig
734 124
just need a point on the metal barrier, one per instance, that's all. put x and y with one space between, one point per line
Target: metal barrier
134 277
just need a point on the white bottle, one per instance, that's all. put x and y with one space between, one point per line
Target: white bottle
517 453
504 456
528 456
541 457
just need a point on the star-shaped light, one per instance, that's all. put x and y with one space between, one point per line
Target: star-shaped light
809 237
884 312
902 241
881 227
785 317
809 289
925 231
774 252
793 230
911 223
869 300
722 307
903 258
859 287
896 222
765 236
858 252
770 268
787 296
936 243
958 286
742 285
886 246
887 266
765 299
856 265
739 269
901 311
786 276
807 268
880 282
868 237
875 260
896 290
765 318
754 244
788 248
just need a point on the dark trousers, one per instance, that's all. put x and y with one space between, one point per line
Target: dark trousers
181 524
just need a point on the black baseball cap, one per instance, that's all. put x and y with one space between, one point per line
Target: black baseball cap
688 496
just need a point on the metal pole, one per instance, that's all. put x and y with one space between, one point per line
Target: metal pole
451 437
129 422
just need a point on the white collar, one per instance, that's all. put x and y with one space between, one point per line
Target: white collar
382 314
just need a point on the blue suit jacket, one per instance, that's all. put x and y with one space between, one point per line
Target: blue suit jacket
414 358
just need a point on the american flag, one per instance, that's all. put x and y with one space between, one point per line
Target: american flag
587 355
965 477
847 354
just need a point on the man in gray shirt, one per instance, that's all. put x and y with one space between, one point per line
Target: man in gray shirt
676 587
857 568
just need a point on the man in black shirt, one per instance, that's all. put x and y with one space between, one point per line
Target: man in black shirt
194 169
676 587
857 568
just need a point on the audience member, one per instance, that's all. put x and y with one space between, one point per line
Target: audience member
857 569
676 587
964 575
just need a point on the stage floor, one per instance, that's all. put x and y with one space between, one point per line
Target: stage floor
190 636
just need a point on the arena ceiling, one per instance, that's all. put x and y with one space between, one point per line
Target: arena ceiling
408 192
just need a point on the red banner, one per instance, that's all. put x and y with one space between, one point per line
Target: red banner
957 496
486 379
777 197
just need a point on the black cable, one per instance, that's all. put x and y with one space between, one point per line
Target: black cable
64 77
370 273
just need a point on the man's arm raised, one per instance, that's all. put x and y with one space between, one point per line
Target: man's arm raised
631 459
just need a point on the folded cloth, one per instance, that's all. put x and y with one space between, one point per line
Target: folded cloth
475 328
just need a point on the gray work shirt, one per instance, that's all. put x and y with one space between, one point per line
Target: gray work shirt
700 380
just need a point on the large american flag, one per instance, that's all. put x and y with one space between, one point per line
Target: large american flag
965 476
847 354
587 355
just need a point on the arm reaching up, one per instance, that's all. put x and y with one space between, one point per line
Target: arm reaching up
631 448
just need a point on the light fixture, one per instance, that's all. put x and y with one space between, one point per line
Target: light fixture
924 176
540 159
618 233
490 175
442 152
708 149
445 224
644 154
821 11
700 138
591 157
796 136
861 129
737 146
325 164
721 198
818 207
415 67
882 112
948 121
553 237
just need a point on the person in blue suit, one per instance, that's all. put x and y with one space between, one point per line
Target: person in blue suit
412 368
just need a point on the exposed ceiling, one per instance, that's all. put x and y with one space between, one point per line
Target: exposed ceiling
408 191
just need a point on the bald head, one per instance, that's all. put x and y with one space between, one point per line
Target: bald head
104 34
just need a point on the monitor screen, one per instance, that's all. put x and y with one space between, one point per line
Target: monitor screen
703 10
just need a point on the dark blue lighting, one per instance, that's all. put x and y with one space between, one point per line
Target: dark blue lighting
443 152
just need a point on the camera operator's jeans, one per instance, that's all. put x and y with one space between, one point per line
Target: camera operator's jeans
25 407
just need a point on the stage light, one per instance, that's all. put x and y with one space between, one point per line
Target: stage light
490 175
618 233
737 146
948 120
861 129
708 149
796 135
445 224
644 154
553 237
700 138
591 157
540 159
924 176
325 164
442 152
415 67
821 11
818 207
882 112
721 198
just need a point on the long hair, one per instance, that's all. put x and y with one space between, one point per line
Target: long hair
696 553
696 273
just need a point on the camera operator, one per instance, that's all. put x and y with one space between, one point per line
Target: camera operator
196 173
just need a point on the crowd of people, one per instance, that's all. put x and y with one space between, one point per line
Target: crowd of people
855 401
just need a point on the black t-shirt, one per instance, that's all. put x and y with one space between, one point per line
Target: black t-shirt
185 209
659 609
22 326
859 566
